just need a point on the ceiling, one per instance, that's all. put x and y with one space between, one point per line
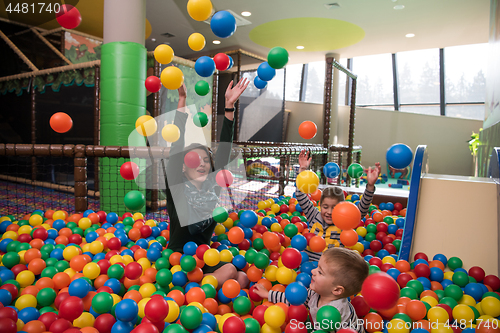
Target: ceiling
353 28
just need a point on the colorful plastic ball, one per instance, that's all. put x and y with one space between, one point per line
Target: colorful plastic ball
204 66
5 297
146 125
200 119
331 170
491 306
277 57
291 258
223 24
202 88
156 309
259 83
233 325
61 122
307 181
71 308
329 317
188 263
221 61
399 156
126 310
192 159
492 280
380 291
248 219
164 54
28 314
242 305
134 200
224 178
172 78
265 72
68 16
153 84
199 10
274 316
102 302
191 317
231 288
345 215
296 293
355 170
8 325
170 133
196 41
308 130
474 290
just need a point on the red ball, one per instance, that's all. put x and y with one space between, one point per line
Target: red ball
244 245
129 170
422 270
71 308
145 328
368 252
382 226
114 243
399 232
420 255
24 238
385 267
297 312
41 233
200 250
233 325
493 281
398 206
391 249
8 312
60 122
308 236
153 84
221 61
146 231
375 246
253 296
60 325
477 273
403 279
360 306
160 325
375 261
224 178
380 291
133 271
68 17
380 235
18 269
48 318
102 216
192 159
297 327
127 214
291 258
105 289
284 208
258 314
104 323
7 325
447 308
104 264
387 240
12 289
156 309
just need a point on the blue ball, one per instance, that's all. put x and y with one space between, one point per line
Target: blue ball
249 219
126 310
153 254
442 258
368 257
3 227
114 284
305 257
209 320
400 222
57 253
389 206
392 228
112 218
204 66
259 83
474 290
296 293
307 267
79 288
266 222
223 298
4 243
248 232
179 279
88 212
52 233
303 278
223 24
28 314
421 261
266 72
190 285
425 282
91 236
190 248
5 295
58 224
399 156
202 329
331 170
239 261
382 253
299 242
298 208
382 206
231 62
446 283
394 273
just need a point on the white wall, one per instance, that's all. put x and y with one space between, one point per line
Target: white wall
376 130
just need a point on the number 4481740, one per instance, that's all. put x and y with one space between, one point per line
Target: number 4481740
34 8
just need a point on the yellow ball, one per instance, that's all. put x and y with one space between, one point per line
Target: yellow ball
149 29
389 260
21 257
172 78
262 205
275 208
25 278
398 326
467 300
164 54
151 223
441 328
269 329
276 227
479 309
138 216
127 259
108 236
438 314
147 289
96 247
170 133
145 263
142 306
146 125
448 276
25 229
491 306
274 316
199 10
175 269
284 275
91 270
4 218
35 220
84 223
71 251
199 306
226 255
219 229
429 300
85 320
116 299
223 319
196 41
361 231
210 279
462 312
70 271
270 272
173 312
116 259
59 215
86 247
228 223
211 257
307 181
358 247
10 234
26 301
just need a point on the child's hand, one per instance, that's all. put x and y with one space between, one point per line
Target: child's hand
260 290
372 174
182 91
233 93
304 162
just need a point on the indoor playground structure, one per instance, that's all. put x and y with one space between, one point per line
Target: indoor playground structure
84 228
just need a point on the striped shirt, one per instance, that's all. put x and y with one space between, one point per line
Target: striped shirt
349 319
319 227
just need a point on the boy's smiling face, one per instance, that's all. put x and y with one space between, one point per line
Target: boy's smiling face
327 206
322 280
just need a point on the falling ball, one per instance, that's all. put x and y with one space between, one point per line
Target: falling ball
164 54
153 84
259 83
170 133
399 156
172 78
202 88
200 119
192 159
221 61
61 122
196 41
68 17
134 200
224 178
199 10
307 181
277 57
146 125
223 24
355 170
380 291
308 129
129 170
204 66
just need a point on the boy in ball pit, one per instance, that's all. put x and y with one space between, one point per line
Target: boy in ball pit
340 274
320 222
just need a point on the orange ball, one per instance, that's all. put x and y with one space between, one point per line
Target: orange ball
134 295
279 287
62 240
236 235
211 305
89 329
416 310
271 240
223 309
140 253
177 296
37 265
430 293
196 275
195 294
48 213
231 288
308 130
346 215
378 217
151 273
134 234
94 218
316 195
32 254
77 263
436 263
317 244
266 283
61 122
254 274
403 266
373 322
100 281
31 290
34 326
87 300
175 258
349 237
35 244
437 286
61 280
44 282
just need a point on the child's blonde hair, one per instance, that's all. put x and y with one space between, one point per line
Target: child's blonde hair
348 267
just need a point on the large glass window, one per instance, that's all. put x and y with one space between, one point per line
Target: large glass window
314 84
418 78
293 81
374 85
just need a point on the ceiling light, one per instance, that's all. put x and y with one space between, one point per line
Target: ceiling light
410 35
399 7
300 47
246 13
153 39
216 42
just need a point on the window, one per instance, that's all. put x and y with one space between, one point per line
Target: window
293 81
314 84
465 80
251 90
275 86
375 85
418 79
342 82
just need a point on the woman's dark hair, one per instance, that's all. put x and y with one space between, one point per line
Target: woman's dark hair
194 146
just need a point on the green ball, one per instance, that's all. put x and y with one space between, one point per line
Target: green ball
261 260
46 297
370 236
166 253
454 292
202 88
461 279
355 170
451 302
102 302
403 316
128 221
134 200
416 285
388 220
188 263
220 214
200 119
373 269
439 293
234 251
258 244
134 287
164 277
454 263
291 230
46 309
62 265
372 208
49 272
372 227
23 223
277 57
162 263
11 259
162 240
329 317
396 243
71 225
251 325
491 293
12 246
116 271
242 305
250 255
285 216
175 328
476 312
209 290
48 248
409 292
191 317
45 255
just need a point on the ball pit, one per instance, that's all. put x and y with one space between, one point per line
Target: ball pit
100 272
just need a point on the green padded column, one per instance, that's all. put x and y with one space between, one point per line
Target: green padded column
123 100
